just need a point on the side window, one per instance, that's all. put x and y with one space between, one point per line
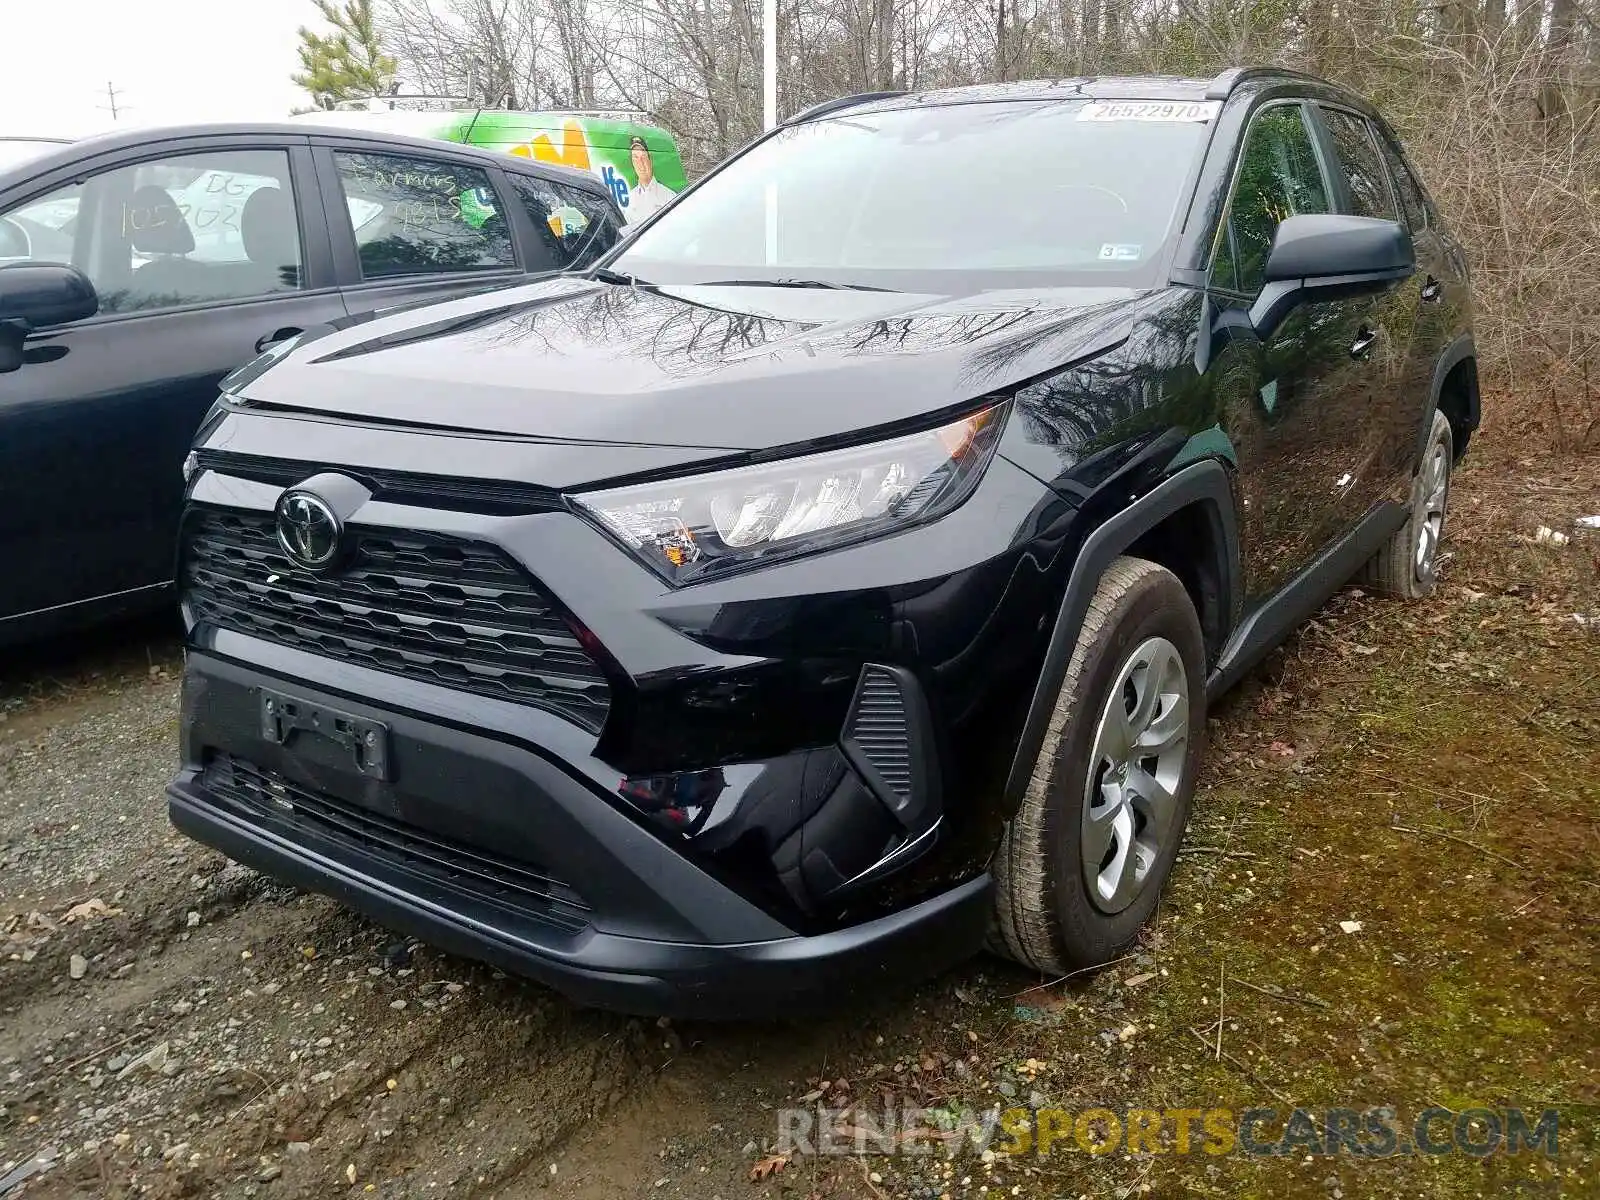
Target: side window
41 230
1278 178
189 229
1363 169
577 226
418 216
1405 183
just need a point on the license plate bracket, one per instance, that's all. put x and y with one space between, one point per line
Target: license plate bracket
283 716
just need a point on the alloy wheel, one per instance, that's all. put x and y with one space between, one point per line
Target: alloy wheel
1135 768
1429 517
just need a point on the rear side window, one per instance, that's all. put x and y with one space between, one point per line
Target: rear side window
576 225
1278 178
1359 162
418 216
1416 208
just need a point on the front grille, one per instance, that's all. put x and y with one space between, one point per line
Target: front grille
268 799
431 607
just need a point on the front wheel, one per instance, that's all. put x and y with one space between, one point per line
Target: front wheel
1083 862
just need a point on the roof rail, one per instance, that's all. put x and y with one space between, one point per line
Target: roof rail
838 103
1225 84
1222 86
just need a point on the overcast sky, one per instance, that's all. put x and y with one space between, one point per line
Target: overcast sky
171 61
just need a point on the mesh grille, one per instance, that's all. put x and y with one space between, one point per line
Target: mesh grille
435 608
879 728
270 799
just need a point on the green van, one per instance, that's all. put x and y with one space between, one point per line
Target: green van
636 160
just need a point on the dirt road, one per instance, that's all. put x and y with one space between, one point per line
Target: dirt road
171 1025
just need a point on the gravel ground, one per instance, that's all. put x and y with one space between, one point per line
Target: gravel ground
175 1025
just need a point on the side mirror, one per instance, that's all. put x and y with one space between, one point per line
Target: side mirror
37 295
1327 257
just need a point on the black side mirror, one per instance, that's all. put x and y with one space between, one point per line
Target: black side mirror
38 295
1329 256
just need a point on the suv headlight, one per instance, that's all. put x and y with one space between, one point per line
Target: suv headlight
705 524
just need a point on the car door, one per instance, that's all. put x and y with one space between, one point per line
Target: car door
1297 398
204 251
1441 287
1396 379
410 226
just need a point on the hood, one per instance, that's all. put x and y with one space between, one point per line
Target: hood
715 368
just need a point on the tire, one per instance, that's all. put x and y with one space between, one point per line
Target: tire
1407 565
1045 916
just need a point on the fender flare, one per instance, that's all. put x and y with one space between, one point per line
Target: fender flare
1207 483
1454 354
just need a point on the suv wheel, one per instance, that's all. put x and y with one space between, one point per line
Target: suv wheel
1408 564
1083 862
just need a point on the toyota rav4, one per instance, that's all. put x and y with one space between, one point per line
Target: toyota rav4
832 580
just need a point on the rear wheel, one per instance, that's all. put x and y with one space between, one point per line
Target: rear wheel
1082 864
1408 564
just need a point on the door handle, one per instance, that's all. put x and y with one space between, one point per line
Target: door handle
1432 290
269 340
1363 342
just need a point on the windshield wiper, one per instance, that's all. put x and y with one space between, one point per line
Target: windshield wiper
607 275
795 283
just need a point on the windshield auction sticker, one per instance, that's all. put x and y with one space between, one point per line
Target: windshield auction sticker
1150 110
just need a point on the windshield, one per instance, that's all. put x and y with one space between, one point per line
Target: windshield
949 199
15 150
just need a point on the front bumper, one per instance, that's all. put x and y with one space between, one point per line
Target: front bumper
640 928
728 799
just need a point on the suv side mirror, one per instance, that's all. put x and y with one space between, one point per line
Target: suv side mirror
35 295
1329 256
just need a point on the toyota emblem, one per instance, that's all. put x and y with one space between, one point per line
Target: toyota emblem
308 530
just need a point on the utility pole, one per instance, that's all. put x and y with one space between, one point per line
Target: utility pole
111 95
769 63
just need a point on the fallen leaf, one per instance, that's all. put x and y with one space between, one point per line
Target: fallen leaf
768 1166
1136 980
1282 749
1350 926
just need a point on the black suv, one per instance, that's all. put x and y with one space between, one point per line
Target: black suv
835 577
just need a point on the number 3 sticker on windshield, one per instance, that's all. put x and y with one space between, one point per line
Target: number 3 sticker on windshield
1150 110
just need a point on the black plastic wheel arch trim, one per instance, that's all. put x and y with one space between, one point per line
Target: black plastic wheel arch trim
1205 483
1456 353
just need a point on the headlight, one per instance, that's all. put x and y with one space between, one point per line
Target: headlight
704 524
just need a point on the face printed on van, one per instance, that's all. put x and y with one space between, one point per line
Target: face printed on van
643 168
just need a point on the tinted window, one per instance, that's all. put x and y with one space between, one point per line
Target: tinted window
1405 183
190 229
576 225
1358 160
1278 178
947 197
418 216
